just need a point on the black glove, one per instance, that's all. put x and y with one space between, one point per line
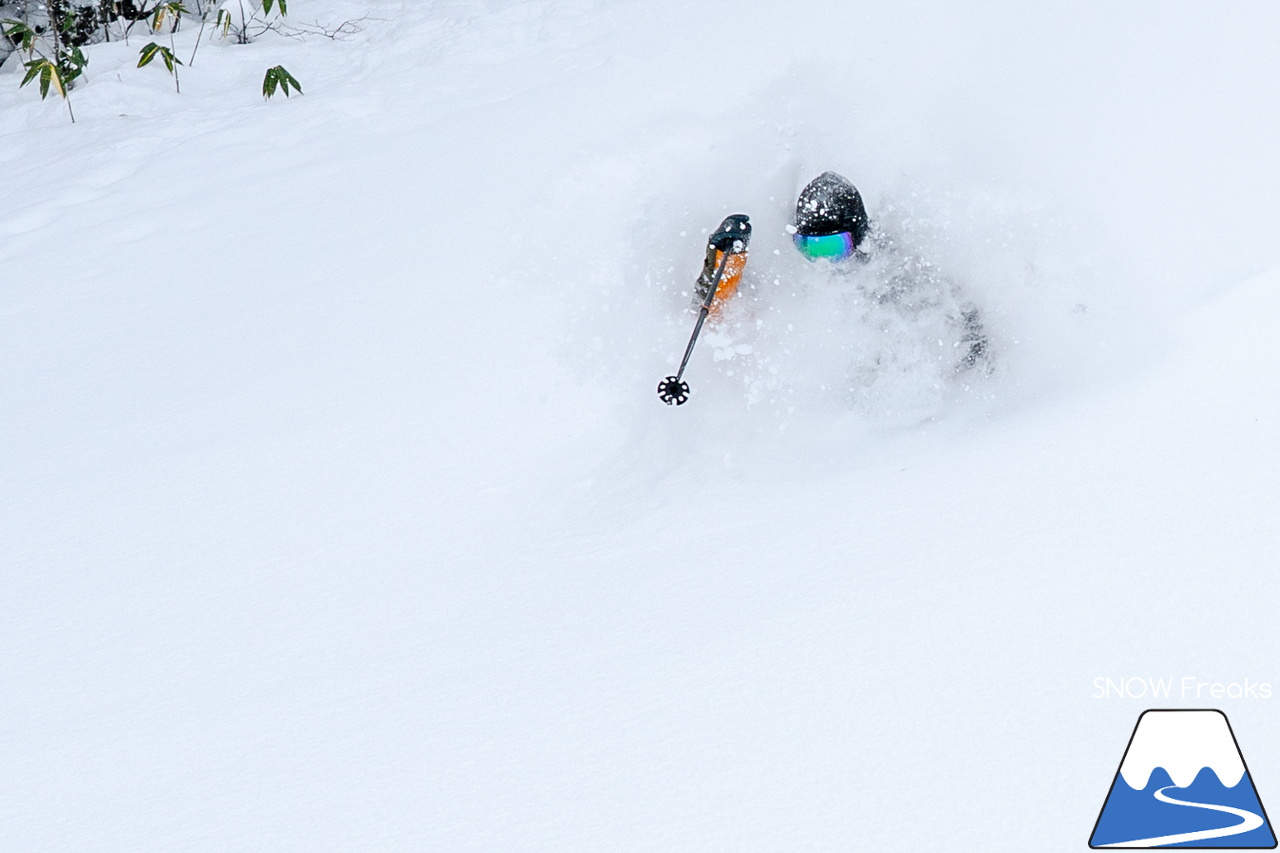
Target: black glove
732 235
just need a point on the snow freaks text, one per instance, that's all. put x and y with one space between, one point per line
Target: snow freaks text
1186 687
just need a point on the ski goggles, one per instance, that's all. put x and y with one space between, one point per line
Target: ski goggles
834 246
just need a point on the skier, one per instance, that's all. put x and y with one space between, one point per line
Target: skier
832 224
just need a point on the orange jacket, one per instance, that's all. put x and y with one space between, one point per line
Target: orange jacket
729 281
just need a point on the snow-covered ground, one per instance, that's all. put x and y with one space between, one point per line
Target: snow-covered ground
339 512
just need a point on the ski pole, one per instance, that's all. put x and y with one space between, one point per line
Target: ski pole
730 239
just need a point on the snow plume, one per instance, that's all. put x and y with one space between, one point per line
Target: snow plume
881 342
873 345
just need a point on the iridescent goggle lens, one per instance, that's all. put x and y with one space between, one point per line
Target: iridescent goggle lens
825 246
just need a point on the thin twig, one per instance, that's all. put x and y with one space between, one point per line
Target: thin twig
199 35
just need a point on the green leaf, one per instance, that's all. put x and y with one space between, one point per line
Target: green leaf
162 12
266 6
33 71
20 31
51 78
148 53
48 75
277 76
152 50
73 64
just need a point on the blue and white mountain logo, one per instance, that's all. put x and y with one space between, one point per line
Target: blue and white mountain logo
1183 783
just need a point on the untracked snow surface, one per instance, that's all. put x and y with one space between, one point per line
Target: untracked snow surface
338 511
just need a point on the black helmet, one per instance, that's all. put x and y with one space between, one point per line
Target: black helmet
831 205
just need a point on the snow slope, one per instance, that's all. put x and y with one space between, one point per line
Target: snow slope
340 513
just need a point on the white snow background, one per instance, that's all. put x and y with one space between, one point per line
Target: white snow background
338 512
